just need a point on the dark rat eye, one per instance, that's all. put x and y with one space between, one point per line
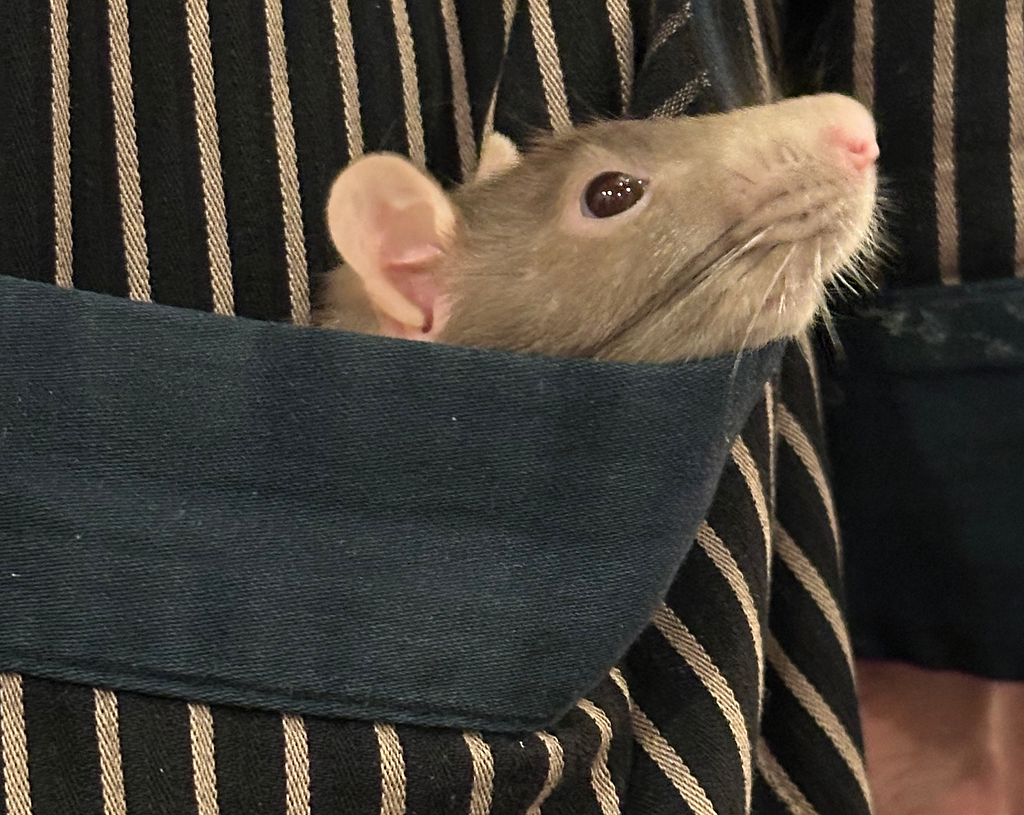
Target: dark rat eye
611 193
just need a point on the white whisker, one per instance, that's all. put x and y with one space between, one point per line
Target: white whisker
760 310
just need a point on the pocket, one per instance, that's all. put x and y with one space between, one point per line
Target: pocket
926 426
318 522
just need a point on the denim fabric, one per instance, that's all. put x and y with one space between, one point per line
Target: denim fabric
927 434
263 515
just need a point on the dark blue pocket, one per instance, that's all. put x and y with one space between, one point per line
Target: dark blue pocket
927 439
263 515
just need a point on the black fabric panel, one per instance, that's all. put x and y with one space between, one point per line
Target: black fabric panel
721 39
669 60
941 330
252 184
99 262
983 178
903 109
614 705
249 750
521 112
765 801
651 793
438 771
319 117
580 740
520 770
26 162
806 752
172 192
806 526
63 762
817 44
483 44
690 715
926 425
380 77
589 61
434 74
156 755
736 523
796 621
344 767
797 388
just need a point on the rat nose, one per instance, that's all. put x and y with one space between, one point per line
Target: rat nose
856 143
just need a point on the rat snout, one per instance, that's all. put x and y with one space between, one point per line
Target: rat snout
856 147
851 132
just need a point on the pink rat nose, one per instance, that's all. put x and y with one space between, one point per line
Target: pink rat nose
856 142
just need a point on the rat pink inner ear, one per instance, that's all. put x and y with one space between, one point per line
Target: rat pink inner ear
392 224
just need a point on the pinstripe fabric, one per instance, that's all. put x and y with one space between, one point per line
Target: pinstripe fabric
278 101
61 95
482 790
349 78
17 796
600 775
108 742
808 692
296 765
555 770
943 122
219 257
460 90
546 47
945 81
133 226
204 769
780 784
284 131
1015 79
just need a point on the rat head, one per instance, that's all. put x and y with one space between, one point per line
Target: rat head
634 240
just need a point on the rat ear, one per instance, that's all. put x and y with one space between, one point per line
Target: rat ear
498 153
392 223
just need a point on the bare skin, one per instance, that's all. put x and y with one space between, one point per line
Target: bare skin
941 742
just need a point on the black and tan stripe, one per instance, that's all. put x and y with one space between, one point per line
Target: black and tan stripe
61 136
14 746
204 766
208 143
108 745
296 765
810 672
1015 91
945 82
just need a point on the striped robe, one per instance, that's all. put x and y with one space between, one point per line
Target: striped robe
181 153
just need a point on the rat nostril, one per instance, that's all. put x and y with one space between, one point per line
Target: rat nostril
863 152
859 149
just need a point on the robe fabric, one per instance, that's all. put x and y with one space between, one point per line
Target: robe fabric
181 154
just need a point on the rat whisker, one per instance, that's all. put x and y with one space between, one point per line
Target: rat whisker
833 335
757 316
742 176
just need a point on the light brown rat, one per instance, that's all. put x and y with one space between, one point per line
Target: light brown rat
626 240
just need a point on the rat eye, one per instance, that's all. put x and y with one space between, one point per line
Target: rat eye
611 194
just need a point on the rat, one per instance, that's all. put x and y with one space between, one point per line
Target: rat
631 240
